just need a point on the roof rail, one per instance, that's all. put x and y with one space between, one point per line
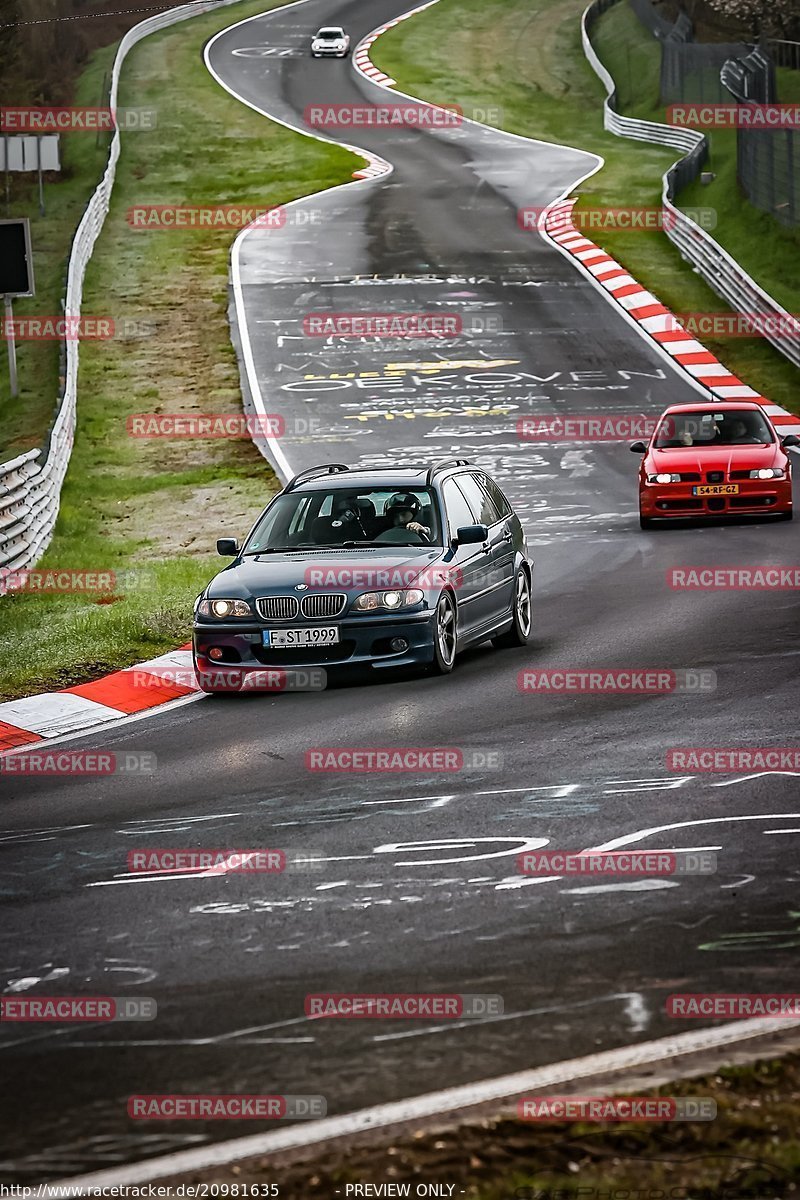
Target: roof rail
397 467
311 472
444 464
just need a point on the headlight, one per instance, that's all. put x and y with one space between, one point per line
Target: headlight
371 601
663 477
224 608
768 473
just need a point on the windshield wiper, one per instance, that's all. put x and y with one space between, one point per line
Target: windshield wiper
383 545
289 549
331 546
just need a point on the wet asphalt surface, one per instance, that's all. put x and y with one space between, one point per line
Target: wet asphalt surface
414 887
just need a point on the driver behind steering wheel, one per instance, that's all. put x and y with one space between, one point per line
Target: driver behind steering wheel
347 517
401 511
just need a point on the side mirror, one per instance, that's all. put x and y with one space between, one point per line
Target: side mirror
791 439
227 547
638 448
470 535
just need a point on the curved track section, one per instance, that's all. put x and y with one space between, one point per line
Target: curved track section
414 886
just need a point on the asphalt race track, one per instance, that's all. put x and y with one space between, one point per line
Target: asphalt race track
414 887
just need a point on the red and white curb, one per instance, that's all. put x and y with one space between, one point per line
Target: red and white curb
377 166
653 317
361 58
146 685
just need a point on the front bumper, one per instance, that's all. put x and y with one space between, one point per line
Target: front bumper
364 642
329 53
671 500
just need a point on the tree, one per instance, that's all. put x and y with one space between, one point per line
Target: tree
772 18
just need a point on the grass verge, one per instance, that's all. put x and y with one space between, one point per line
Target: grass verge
525 58
750 1151
152 509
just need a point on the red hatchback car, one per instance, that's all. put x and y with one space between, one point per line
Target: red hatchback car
714 460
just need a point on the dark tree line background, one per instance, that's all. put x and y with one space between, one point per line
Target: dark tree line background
41 53
738 20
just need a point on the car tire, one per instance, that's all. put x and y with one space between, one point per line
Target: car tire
521 631
445 635
646 522
786 516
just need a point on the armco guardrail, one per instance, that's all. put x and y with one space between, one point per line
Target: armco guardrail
644 131
30 485
718 268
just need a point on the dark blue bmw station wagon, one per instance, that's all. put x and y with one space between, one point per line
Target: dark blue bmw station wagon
372 568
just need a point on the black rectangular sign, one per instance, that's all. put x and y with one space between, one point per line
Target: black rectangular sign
16 260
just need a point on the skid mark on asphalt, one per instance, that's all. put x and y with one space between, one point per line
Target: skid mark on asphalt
179 824
246 1036
102 1150
29 981
630 885
48 834
770 939
632 1008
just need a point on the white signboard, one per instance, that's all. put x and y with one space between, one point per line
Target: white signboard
23 152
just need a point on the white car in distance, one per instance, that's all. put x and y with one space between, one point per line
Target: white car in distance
331 41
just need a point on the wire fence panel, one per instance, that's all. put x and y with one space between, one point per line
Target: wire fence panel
768 168
767 160
690 71
784 54
680 30
659 26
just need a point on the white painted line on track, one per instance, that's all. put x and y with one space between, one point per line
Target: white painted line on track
447 1104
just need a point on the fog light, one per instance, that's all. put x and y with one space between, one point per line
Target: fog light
398 645
215 653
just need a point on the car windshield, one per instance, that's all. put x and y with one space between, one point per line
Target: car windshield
716 427
330 33
347 518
